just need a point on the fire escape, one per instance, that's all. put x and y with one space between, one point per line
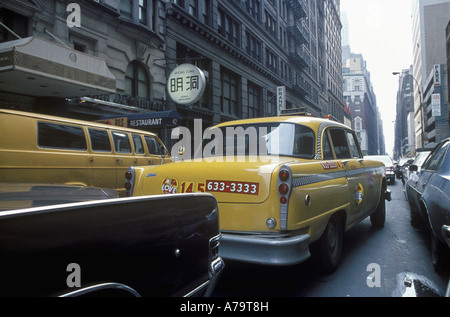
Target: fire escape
298 56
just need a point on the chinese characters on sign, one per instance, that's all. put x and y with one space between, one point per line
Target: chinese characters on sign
186 84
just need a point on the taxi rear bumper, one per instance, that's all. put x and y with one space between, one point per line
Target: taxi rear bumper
276 250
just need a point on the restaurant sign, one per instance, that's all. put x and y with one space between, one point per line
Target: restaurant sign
186 84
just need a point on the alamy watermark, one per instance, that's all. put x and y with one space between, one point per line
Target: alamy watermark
74 17
229 144
374 278
74 278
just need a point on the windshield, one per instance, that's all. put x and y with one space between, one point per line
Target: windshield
420 158
279 139
382 158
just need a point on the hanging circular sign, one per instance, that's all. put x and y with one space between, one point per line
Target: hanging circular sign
186 84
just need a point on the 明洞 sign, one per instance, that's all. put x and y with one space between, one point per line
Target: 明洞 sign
186 84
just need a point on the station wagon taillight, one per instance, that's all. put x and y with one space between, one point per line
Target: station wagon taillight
129 180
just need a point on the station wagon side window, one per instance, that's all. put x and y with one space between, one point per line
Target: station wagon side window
121 142
153 145
340 144
99 140
137 142
353 142
61 136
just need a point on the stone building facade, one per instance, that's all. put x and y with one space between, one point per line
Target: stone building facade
245 48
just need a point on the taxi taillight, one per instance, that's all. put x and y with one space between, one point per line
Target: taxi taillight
284 174
284 190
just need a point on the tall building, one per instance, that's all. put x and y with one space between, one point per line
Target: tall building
249 48
361 100
404 142
246 49
429 19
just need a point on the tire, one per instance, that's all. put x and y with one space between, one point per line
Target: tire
328 249
416 218
439 254
378 218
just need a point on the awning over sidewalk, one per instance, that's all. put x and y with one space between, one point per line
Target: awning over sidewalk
36 67
160 119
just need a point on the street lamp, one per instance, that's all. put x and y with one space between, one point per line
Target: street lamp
422 118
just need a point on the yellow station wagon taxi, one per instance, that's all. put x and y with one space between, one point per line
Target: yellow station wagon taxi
284 185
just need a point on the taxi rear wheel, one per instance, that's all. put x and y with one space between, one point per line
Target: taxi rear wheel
328 248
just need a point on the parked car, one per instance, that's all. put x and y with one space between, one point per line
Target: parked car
165 245
418 161
285 185
389 165
400 165
428 192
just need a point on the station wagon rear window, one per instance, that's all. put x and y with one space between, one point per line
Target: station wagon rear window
61 136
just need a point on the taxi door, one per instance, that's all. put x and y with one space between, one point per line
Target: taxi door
346 149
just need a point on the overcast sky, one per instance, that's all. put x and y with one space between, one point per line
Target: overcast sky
381 31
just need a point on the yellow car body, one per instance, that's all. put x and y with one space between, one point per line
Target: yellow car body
272 207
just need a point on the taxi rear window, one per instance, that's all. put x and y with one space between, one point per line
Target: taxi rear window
61 136
276 139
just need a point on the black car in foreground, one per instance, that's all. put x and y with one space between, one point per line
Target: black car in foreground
428 193
141 246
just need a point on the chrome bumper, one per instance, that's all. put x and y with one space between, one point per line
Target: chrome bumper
267 250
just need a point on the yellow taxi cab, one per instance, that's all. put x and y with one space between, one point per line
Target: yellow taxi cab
284 185
37 148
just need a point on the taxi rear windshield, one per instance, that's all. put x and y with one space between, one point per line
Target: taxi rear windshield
278 139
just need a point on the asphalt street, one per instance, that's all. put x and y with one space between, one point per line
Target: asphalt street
376 263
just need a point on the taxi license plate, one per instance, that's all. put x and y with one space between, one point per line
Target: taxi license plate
232 187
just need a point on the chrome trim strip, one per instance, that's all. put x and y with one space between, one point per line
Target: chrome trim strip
197 289
312 179
99 287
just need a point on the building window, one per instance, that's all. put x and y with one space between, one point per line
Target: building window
228 27
143 11
137 82
254 101
140 11
205 7
16 22
253 7
126 8
271 60
271 24
253 47
193 5
229 102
